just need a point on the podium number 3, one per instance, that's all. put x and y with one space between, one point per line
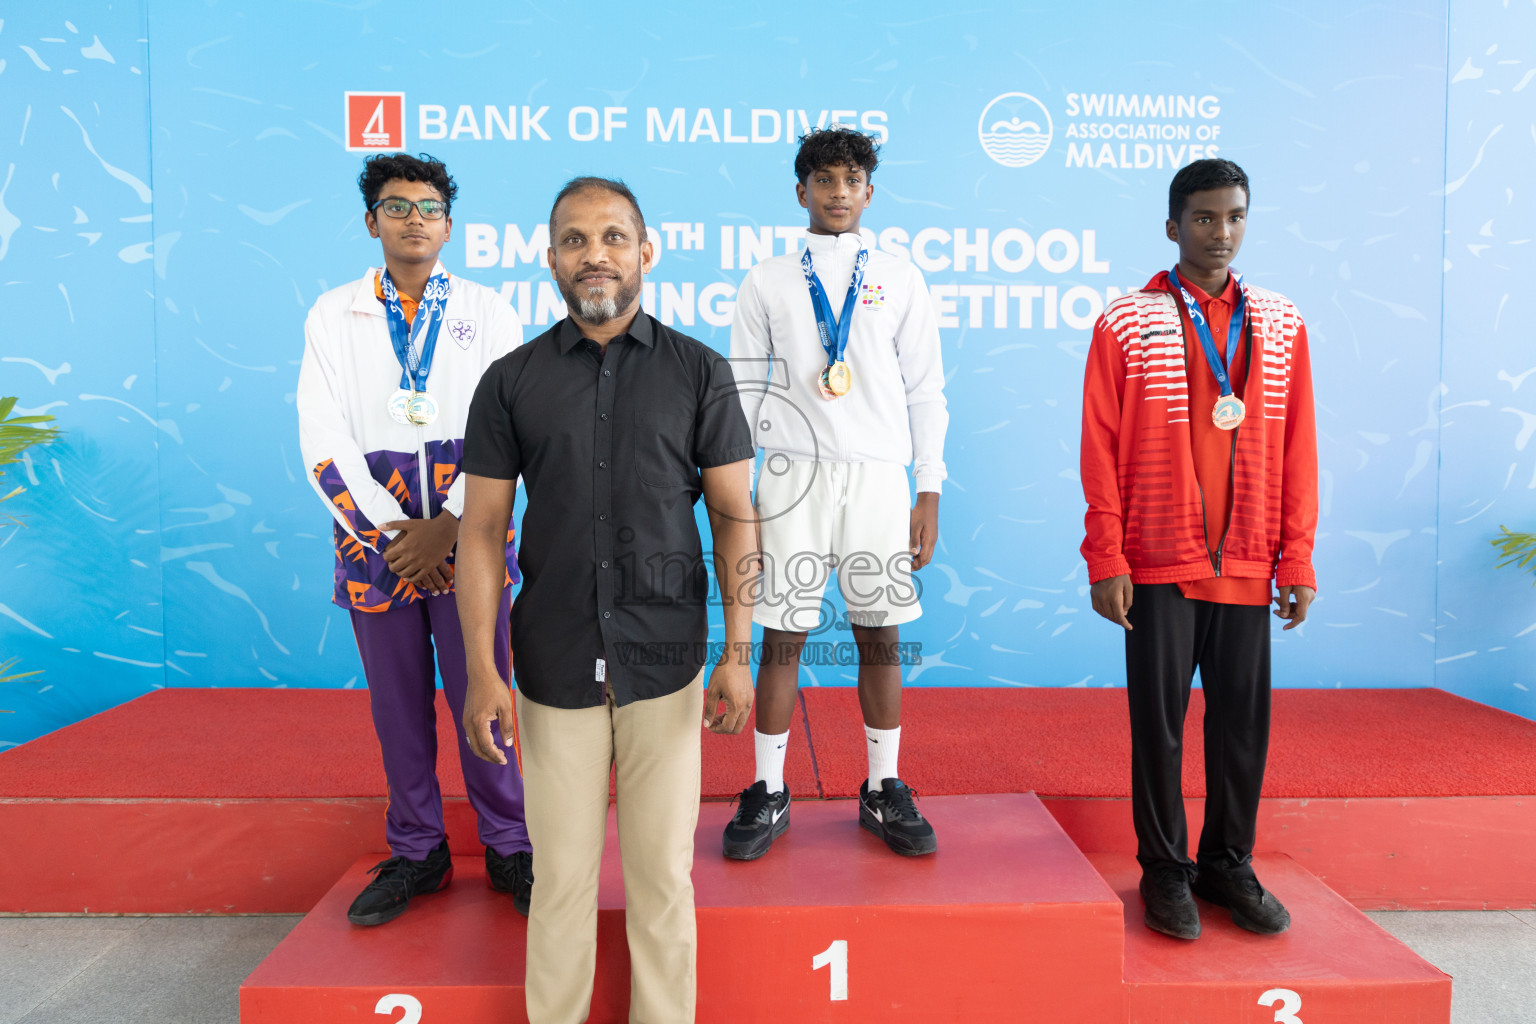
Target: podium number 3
835 957
410 1004
1289 1002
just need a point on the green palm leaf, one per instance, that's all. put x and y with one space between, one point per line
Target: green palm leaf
7 665
1517 549
17 434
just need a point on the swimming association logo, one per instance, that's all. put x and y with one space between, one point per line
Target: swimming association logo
1015 129
375 121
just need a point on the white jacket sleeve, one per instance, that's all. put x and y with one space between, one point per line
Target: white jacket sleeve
333 461
922 370
504 332
751 350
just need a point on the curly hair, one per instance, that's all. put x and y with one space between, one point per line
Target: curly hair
1202 176
386 167
837 146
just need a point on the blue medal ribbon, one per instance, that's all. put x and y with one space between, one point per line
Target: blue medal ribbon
1203 329
415 367
836 343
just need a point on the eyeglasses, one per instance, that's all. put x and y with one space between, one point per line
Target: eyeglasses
399 209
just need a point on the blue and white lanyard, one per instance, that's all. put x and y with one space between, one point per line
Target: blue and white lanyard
414 367
835 345
1203 329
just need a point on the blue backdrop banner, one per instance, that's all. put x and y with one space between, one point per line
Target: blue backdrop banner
179 185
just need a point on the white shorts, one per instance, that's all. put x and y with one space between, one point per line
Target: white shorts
851 518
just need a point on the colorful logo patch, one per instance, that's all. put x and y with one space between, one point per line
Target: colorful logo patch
872 296
374 121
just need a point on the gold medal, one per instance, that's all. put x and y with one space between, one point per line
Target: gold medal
835 381
422 408
839 378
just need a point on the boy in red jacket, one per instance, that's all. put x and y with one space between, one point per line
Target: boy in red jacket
1199 465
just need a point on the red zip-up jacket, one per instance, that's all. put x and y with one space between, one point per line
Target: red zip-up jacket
1146 513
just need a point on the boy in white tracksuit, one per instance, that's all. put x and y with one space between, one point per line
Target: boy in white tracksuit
836 353
391 361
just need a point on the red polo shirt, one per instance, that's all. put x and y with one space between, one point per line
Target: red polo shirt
1213 446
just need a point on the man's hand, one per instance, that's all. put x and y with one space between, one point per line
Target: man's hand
1294 602
488 700
924 527
733 524
1112 599
421 548
730 682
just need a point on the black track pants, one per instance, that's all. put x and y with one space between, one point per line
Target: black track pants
1229 643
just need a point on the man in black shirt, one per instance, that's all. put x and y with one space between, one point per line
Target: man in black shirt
616 425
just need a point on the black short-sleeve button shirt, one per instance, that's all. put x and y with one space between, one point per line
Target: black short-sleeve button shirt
609 444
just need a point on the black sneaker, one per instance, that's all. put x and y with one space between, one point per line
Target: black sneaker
1170 908
891 813
1253 907
395 881
512 874
760 819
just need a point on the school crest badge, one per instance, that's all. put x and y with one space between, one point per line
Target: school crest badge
462 331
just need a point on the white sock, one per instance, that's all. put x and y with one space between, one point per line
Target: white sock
770 758
883 746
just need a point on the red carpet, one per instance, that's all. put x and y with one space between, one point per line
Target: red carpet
190 744
319 744
1076 743
253 801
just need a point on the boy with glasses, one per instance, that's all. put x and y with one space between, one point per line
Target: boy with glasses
390 364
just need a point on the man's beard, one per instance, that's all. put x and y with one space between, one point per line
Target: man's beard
598 309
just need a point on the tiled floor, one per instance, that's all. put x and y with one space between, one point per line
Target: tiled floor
127 970
180 970
1491 954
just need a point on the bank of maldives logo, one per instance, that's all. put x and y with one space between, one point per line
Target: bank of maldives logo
1015 129
375 121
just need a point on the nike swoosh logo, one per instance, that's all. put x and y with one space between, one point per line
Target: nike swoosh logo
780 813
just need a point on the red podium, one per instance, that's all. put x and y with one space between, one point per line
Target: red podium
1007 922
1334 965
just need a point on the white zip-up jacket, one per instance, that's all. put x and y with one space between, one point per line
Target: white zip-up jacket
896 410
367 468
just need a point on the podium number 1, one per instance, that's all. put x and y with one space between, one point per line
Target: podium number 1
1289 1002
410 1004
834 957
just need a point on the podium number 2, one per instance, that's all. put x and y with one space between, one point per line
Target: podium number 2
410 1004
1289 1002
834 957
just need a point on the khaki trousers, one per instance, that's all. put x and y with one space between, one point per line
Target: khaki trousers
566 755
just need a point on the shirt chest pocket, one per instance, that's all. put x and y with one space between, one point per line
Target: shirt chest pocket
663 448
